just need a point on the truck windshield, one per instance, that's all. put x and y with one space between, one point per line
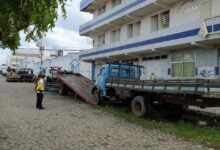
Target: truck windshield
134 72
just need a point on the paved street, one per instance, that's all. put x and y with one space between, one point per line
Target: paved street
69 124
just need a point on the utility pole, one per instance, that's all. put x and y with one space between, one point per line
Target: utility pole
26 63
41 49
41 55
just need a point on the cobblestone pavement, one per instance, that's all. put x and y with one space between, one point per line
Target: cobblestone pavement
70 124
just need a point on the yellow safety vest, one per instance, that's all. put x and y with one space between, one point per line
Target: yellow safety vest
40 86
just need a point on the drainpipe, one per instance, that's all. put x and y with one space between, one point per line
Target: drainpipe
217 68
93 71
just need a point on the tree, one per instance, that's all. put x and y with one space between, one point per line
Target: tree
34 17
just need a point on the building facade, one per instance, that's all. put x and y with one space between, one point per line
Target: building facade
24 59
69 62
172 39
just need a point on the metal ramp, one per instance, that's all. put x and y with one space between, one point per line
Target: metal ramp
79 84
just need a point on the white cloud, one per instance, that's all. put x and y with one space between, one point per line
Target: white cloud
66 33
4 53
75 17
62 38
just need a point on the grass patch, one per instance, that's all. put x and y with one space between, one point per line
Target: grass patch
205 135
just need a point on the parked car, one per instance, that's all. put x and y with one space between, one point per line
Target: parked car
4 69
21 75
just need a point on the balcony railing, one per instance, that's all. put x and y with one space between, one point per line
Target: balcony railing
173 36
115 13
213 23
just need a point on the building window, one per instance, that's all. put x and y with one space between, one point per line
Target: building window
113 62
154 23
101 40
155 57
115 3
130 61
116 35
160 21
130 30
101 10
183 64
163 57
134 29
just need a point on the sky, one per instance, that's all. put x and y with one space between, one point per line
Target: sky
65 35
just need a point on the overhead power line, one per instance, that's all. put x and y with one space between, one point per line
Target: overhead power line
47 49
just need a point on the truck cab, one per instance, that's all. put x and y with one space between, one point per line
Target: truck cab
113 71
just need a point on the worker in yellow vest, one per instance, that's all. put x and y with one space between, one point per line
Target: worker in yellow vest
40 91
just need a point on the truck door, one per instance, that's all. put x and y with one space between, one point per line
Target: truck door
101 80
134 73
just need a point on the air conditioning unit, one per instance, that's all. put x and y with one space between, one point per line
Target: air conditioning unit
165 19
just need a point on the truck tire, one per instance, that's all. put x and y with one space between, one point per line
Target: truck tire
138 107
96 97
63 89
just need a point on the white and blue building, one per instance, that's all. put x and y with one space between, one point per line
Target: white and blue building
69 62
173 39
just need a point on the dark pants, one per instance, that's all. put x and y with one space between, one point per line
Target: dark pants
40 97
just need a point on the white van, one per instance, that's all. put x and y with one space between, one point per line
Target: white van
4 69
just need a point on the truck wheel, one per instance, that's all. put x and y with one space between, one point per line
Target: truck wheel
63 89
96 97
138 106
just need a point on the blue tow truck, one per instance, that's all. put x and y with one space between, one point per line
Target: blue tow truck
122 82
